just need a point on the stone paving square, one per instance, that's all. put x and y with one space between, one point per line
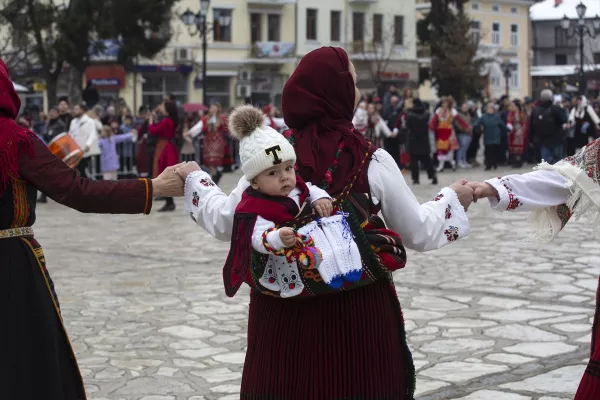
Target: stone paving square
490 317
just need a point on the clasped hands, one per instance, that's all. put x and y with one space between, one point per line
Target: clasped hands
470 192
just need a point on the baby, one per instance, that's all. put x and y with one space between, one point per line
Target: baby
275 196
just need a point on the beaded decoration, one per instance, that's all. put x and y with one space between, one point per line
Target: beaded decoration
303 251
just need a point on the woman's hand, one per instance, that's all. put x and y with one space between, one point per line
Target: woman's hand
186 168
464 193
168 183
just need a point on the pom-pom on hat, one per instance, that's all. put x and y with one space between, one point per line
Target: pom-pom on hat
261 147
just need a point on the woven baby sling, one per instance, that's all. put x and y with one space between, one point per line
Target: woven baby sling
381 250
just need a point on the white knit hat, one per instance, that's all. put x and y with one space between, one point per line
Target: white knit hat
261 147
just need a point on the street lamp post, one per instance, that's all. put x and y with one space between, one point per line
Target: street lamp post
507 69
199 22
580 29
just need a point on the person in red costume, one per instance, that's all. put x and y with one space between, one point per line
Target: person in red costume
36 358
350 344
165 154
555 194
214 128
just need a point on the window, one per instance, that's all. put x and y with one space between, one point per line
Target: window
514 35
475 6
399 30
255 27
496 8
274 28
222 25
514 76
495 33
596 58
336 26
311 24
358 31
514 10
156 85
496 81
377 28
560 59
476 31
561 39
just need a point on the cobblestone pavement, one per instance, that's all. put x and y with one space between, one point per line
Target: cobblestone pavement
489 317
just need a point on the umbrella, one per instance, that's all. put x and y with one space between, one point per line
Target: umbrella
194 107
19 88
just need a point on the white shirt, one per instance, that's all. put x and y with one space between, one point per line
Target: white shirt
261 224
422 227
85 133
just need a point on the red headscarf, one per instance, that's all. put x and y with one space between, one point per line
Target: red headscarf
318 105
14 139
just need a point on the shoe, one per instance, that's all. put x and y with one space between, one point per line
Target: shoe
217 177
488 168
167 207
416 183
434 181
42 199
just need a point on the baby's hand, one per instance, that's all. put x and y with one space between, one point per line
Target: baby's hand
323 207
287 236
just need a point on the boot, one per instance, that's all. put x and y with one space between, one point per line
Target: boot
42 198
169 205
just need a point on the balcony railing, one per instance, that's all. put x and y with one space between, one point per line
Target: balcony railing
423 51
272 2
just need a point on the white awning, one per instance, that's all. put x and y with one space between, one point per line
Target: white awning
545 10
19 88
560 70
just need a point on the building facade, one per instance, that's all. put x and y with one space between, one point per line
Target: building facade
502 28
556 54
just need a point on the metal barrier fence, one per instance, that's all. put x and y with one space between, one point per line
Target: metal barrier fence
128 151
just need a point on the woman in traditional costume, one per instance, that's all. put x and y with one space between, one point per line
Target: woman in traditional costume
214 128
442 124
350 344
36 358
165 154
517 122
554 194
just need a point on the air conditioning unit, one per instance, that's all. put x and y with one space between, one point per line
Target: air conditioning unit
245 76
183 55
243 91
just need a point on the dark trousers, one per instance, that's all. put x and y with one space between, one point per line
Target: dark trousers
492 154
473 147
427 164
82 167
392 146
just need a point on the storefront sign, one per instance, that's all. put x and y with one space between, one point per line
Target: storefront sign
106 76
394 75
103 82
182 69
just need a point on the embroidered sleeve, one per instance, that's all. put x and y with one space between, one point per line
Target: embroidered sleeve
423 227
273 239
530 191
209 207
317 193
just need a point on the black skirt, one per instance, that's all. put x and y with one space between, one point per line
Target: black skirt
36 358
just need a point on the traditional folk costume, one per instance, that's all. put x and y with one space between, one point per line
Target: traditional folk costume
585 122
442 124
36 358
258 214
165 154
214 128
554 194
348 344
517 122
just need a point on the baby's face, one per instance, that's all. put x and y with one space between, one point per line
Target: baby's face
279 180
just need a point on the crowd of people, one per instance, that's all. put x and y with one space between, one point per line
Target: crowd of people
512 132
119 144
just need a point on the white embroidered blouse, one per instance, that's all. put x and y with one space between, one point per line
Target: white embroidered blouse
423 227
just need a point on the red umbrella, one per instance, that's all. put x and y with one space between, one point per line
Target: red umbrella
194 107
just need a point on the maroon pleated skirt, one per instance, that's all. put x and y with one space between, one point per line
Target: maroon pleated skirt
589 388
350 345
